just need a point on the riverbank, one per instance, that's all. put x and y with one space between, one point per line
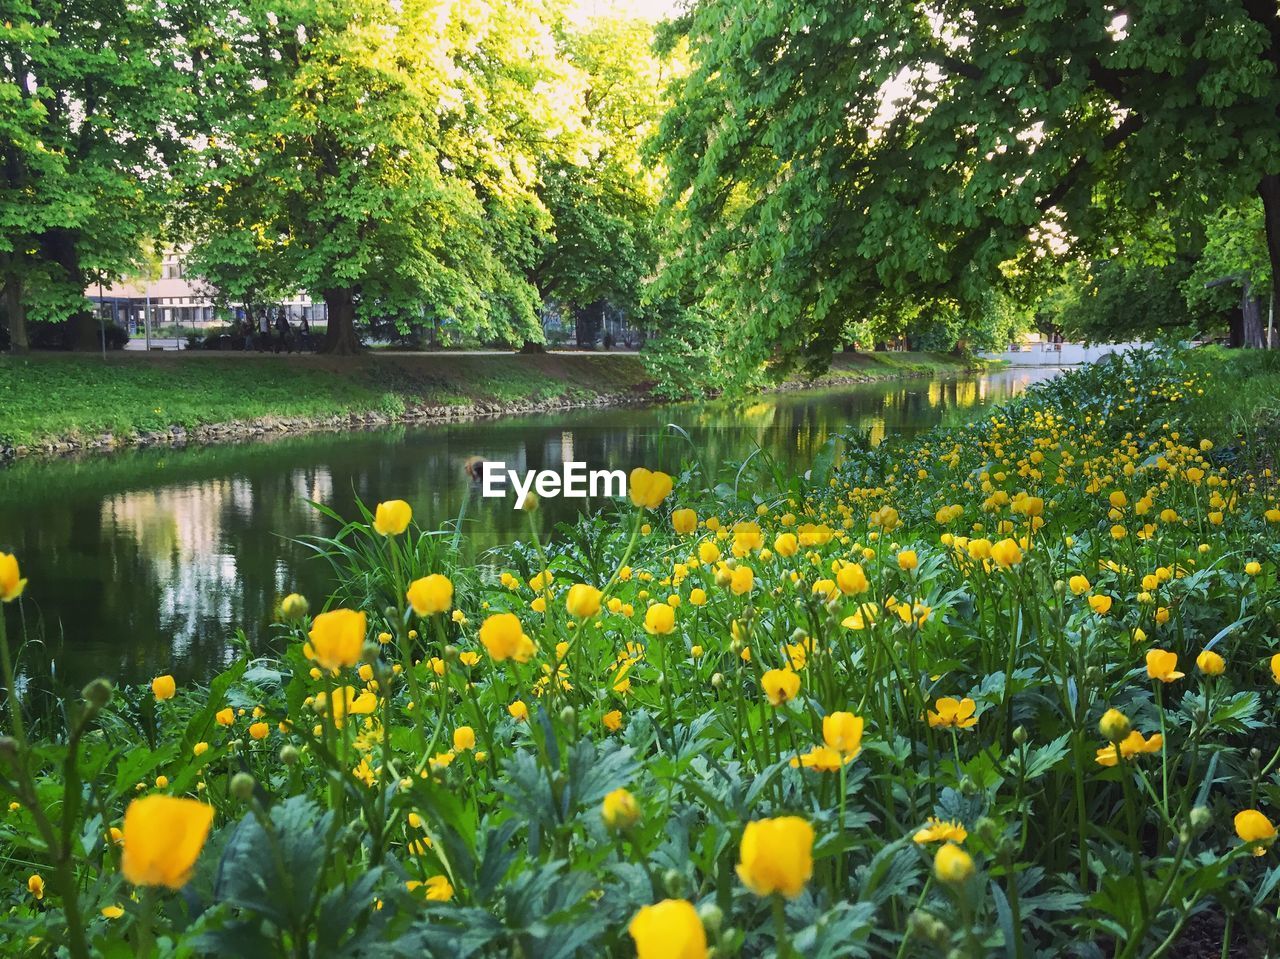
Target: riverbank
59 403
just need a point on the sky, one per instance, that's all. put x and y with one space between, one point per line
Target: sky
648 9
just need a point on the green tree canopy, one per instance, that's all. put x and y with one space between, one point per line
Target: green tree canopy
381 155
92 106
603 196
839 159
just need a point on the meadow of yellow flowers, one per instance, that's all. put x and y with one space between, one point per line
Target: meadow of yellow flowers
1007 689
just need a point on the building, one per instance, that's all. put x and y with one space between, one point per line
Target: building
179 304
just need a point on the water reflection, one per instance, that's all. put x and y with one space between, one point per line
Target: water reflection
145 562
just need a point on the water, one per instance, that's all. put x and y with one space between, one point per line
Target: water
145 562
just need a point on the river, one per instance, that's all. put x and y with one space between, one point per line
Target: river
144 562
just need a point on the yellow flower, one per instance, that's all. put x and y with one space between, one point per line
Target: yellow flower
648 489
822 758
776 856
843 733
518 711
684 521
612 720
659 620
1253 567
35 885
742 580
852 579
786 545
957 713
436 889
392 518
163 687
1163 665
780 685
980 549
294 606
670 929
952 865
431 594
907 560
1079 585
1114 726
1131 746
346 703
11 582
938 830
863 617
582 600
1275 668
225 717
504 638
199 749
1255 828
697 596
1210 663
337 639
112 912
1006 553
259 730
620 810
1100 603
163 836
464 738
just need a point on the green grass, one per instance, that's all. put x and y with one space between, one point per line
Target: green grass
870 366
50 397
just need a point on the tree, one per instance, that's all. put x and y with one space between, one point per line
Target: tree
1117 302
91 103
1235 250
603 196
380 154
843 158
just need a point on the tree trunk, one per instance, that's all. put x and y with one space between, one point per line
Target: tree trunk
588 324
1251 328
16 310
85 331
1269 190
340 337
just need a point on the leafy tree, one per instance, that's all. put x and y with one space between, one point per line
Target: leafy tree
837 159
91 106
603 197
379 154
1117 302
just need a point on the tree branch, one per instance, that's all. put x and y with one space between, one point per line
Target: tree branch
1129 126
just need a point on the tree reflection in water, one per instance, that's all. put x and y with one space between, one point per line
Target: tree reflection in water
144 562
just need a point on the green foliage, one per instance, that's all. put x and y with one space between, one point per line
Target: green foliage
92 105
1118 302
1235 245
602 197
831 162
378 155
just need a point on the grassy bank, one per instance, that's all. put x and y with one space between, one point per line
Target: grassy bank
50 398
